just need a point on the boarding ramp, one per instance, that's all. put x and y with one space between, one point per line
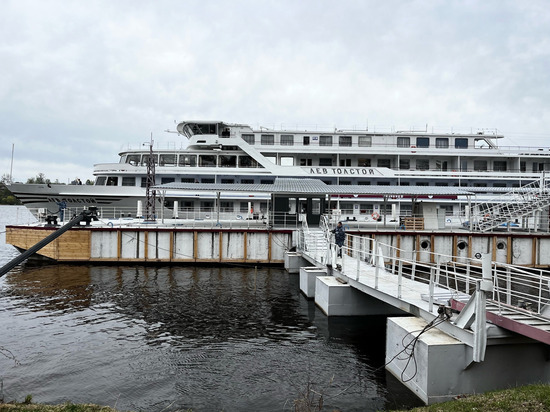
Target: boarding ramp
427 284
516 204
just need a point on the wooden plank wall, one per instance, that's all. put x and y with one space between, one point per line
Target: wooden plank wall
157 245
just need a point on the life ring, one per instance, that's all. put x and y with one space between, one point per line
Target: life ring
449 220
239 217
375 215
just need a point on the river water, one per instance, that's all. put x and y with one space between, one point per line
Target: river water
176 337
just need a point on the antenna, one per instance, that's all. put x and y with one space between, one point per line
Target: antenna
11 166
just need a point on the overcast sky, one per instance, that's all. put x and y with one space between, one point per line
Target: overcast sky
81 80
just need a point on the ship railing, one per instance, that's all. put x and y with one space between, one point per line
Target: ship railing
527 289
375 220
185 217
513 205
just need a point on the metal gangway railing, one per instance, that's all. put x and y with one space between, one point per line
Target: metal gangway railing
516 293
516 204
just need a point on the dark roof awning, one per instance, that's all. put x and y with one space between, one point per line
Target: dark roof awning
316 187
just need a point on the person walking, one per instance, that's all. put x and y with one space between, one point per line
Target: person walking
339 237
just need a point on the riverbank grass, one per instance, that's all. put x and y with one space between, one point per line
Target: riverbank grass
532 398
67 407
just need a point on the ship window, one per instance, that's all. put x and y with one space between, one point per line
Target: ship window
287 161
143 182
133 159
188 160
422 184
248 138
499 166
499 184
345 182
441 165
287 140
204 128
145 159
128 181
247 181
325 161
383 163
226 206
441 184
422 164
363 183
207 180
306 140
522 166
365 141
345 162
207 161
305 162
206 204
243 207
403 141
100 181
268 139
346 207
461 143
272 159
266 181
165 180
404 164
325 141
422 142
480 165
442 142
344 141
167 160
228 181
112 181
187 180
247 161
228 161
363 162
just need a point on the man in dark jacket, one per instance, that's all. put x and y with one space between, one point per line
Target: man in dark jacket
339 237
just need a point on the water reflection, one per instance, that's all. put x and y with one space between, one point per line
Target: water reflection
169 338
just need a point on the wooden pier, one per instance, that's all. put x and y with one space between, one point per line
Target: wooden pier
156 244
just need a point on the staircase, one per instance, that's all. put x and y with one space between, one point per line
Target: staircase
518 203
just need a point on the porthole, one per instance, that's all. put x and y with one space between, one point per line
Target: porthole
501 245
462 245
425 244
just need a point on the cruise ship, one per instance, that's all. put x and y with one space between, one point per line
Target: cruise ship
220 153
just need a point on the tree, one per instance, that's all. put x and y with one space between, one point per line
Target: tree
39 179
6 197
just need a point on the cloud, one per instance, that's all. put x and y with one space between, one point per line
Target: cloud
81 80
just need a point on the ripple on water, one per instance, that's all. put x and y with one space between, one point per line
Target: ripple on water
146 338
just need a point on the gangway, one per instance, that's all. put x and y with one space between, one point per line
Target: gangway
517 298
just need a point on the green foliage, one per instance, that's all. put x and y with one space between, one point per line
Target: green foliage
68 407
6 197
39 179
532 398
